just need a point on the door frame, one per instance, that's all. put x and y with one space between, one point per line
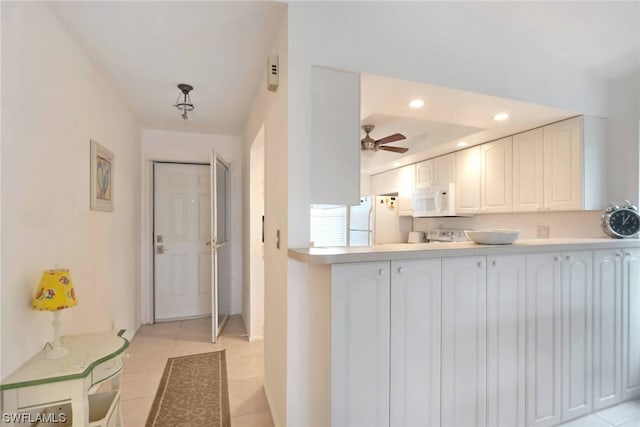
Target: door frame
145 297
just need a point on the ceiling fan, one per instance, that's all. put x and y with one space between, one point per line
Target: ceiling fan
368 143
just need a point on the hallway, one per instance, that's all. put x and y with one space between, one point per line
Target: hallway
153 344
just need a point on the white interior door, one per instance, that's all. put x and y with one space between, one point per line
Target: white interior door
182 275
219 244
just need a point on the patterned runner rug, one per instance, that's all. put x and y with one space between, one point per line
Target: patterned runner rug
192 392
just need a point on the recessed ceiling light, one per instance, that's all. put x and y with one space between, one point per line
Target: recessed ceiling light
501 116
462 144
416 103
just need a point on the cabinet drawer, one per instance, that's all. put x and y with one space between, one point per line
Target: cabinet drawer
108 368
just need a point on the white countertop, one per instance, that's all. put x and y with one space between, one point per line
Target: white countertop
395 251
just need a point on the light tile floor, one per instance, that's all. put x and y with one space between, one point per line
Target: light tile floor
153 344
626 414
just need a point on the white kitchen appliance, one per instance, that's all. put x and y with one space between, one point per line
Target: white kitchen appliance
434 200
376 221
446 236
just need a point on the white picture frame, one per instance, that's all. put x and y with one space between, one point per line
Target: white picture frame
102 178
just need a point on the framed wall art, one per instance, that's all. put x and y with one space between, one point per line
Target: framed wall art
102 169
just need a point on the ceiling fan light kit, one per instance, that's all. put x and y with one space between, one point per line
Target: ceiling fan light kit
183 103
369 144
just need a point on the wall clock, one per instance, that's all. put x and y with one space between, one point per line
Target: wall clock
621 221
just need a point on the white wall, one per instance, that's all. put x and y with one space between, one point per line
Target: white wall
271 110
451 44
161 145
624 139
53 102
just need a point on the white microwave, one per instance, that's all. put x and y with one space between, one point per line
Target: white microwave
434 200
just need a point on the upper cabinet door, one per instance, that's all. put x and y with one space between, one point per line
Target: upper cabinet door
468 180
496 191
444 169
563 165
528 171
335 136
424 173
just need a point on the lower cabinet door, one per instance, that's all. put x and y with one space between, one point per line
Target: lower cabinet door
543 336
607 328
506 340
415 342
577 332
464 341
631 324
360 344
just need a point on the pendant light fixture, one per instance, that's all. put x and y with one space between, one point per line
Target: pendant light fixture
183 103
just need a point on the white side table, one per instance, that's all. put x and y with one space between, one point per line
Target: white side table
41 382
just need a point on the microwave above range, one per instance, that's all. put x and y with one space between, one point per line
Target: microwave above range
434 200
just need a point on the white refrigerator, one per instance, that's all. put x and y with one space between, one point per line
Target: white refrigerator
376 221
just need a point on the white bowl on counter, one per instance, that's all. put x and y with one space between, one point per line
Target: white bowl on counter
493 237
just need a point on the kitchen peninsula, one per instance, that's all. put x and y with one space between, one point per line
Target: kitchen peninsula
535 333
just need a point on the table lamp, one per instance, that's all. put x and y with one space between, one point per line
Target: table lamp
55 293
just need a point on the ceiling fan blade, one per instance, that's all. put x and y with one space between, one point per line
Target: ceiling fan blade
395 149
391 138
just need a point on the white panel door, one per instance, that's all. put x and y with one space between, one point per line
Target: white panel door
468 180
631 324
220 249
577 374
444 169
496 177
607 328
506 340
360 299
182 275
528 171
563 165
543 334
463 398
424 173
415 342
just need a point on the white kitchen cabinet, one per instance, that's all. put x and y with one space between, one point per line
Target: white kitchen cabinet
468 180
424 173
577 368
496 176
528 171
506 340
543 335
575 164
415 342
463 398
400 180
360 302
607 328
444 169
559 331
631 324
335 132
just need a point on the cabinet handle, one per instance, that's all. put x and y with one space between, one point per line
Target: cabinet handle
495 263
568 257
627 254
381 272
480 264
401 270
618 254
556 258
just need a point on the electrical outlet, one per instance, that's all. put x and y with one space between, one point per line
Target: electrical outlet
543 232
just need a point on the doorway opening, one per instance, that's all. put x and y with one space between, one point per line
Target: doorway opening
253 291
191 266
